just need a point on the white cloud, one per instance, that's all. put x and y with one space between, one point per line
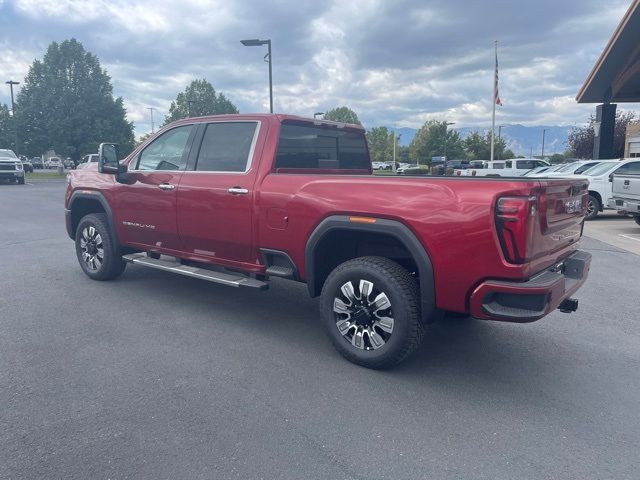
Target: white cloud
398 63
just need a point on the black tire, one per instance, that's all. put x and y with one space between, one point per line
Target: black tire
637 219
20 180
593 207
401 290
93 235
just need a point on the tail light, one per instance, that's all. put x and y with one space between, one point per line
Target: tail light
515 220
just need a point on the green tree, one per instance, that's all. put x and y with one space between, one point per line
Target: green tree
203 99
433 140
581 138
143 138
7 137
557 158
478 147
67 103
380 141
342 114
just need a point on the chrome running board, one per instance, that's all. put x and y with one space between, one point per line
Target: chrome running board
224 278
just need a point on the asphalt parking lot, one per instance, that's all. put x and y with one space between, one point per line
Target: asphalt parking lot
158 376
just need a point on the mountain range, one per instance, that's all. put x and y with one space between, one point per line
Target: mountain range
522 140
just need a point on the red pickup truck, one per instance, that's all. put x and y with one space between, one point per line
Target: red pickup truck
238 199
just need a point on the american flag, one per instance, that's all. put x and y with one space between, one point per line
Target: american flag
496 93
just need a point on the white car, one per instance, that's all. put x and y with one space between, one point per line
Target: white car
53 162
516 167
566 169
601 181
88 160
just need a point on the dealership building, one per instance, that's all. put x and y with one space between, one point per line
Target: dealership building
615 78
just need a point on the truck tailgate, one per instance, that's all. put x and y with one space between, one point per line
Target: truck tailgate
562 206
626 186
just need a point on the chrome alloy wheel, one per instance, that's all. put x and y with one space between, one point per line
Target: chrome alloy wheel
363 317
591 207
92 248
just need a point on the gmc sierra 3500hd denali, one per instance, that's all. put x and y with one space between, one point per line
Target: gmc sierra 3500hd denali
237 199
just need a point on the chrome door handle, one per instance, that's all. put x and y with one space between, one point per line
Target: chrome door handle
238 191
166 186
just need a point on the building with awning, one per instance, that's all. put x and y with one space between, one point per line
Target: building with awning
615 78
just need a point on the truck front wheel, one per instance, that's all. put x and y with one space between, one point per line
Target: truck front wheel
97 252
370 307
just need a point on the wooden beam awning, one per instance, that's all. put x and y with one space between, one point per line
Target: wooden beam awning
615 77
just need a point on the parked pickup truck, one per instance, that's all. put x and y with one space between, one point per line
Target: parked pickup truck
239 199
505 168
626 195
11 167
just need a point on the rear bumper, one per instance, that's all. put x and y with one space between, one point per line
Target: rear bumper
625 205
531 300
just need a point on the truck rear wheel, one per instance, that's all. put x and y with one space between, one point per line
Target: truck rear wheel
97 252
593 207
370 307
637 219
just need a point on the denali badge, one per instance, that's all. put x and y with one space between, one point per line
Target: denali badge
573 206
138 225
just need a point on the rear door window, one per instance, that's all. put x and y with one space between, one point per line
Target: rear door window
526 164
632 168
318 148
227 147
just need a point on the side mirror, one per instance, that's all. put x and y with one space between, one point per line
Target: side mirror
108 154
611 177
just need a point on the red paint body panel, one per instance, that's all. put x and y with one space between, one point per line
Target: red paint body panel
452 217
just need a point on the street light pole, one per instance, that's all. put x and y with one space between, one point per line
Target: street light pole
254 42
151 109
446 124
544 132
11 83
270 78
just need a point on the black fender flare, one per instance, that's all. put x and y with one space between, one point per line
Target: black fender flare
95 196
389 227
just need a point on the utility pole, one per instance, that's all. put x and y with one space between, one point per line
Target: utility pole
544 132
11 83
189 102
151 109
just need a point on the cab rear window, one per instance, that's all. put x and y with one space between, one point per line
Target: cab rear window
321 148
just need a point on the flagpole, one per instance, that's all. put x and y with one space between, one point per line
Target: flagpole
493 118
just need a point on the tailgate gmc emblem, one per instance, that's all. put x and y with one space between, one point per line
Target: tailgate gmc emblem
573 206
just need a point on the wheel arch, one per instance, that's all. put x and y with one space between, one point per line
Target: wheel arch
84 203
391 230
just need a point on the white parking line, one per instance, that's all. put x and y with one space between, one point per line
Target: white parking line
629 237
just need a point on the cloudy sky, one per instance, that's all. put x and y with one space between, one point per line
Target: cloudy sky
397 63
